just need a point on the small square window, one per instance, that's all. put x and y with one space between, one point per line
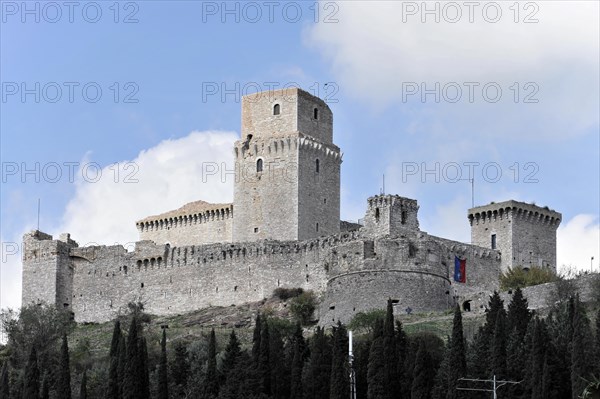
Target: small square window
256 229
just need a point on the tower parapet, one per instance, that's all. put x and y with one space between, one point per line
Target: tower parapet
524 233
390 215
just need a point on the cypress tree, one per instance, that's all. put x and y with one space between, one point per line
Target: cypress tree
113 372
390 353
163 378
550 380
537 358
256 336
63 380
318 370
518 315
340 382
581 359
456 354
121 365
231 356
4 381
31 379
404 381
296 371
422 373
180 366
132 376
440 386
45 388
83 389
264 369
280 383
211 384
144 369
498 347
376 374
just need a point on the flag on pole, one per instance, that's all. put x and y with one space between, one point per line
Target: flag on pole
460 270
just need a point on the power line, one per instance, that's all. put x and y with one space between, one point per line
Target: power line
495 385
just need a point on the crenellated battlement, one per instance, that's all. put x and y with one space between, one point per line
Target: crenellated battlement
171 222
513 209
273 146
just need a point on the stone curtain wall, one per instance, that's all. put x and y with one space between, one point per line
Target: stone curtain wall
183 279
207 227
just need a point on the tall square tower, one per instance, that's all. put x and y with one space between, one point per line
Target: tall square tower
287 172
525 234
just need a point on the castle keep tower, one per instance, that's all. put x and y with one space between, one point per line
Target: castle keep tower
389 214
525 234
47 269
287 183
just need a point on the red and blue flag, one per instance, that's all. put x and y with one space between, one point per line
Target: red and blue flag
460 270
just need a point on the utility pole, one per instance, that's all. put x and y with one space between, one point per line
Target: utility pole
351 364
495 385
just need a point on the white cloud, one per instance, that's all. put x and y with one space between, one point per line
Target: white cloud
577 241
373 52
159 179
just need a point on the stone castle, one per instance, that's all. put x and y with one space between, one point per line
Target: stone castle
283 229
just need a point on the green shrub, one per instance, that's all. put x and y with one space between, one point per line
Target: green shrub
517 277
364 321
303 306
286 293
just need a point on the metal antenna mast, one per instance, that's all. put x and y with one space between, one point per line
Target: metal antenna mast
495 385
351 364
38 218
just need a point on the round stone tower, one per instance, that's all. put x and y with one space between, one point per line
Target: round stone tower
287 183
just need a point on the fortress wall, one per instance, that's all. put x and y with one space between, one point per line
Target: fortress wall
208 227
415 269
363 291
482 268
183 279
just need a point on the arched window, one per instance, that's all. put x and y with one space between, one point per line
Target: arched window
316 113
259 165
317 165
276 109
377 215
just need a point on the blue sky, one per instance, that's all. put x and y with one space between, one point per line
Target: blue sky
513 89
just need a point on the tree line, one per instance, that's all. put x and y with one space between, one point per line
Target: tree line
555 357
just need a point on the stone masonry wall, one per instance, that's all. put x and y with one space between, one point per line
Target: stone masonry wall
174 280
319 199
208 227
266 202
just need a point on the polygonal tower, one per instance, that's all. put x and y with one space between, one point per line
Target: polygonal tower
525 234
287 183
